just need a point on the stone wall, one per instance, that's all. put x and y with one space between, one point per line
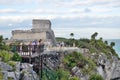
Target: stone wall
41 29
41 24
29 36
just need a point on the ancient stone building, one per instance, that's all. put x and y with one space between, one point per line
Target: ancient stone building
41 29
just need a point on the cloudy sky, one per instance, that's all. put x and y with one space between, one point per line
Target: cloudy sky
81 17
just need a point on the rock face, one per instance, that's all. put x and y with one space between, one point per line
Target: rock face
27 72
41 29
109 70
116 72
5 67
14 73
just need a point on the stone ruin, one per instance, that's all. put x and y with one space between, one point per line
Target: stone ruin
41 29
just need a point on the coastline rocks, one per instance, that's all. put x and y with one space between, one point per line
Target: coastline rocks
5 67
28 74
14 73
116 72
108 69
77 72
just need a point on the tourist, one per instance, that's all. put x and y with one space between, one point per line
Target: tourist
34 46
30 47
40 46
21 46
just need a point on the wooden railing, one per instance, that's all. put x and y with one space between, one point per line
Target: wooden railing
27 50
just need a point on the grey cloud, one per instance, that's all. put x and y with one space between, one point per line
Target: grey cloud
90 22
66 23
87 10
64 3
18 2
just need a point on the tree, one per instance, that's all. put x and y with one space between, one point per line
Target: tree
16 57
93 36
1 38
101 38
106 42
112 44
3 46
72 39
71 34
6 38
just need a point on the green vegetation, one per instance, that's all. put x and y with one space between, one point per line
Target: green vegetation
5 55
4 51
93 36
10 78
85 63
95 77
16 57
94 45
11 63
74 78
62 74
77 59
112 44
3 46
1 76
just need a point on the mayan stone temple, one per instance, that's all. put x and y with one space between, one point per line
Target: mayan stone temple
41 29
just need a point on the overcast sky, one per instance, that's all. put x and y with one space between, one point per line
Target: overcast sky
81 17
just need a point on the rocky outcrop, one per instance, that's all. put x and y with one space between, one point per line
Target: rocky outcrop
116 72
14 73
76 71
5 67
108 68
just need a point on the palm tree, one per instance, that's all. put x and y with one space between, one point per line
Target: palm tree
112 44
1 38
93 36
72 39
101 38
106 42
71 34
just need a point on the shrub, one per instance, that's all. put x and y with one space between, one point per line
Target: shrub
96 77
16 57
62 74
84 40
74 78
5 55
1 76
77 59
9 78
11 63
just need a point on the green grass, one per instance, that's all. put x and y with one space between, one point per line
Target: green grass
77 59
1 76
95 77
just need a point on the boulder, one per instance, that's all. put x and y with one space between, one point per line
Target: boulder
13 75
28 74
5 67
76 71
